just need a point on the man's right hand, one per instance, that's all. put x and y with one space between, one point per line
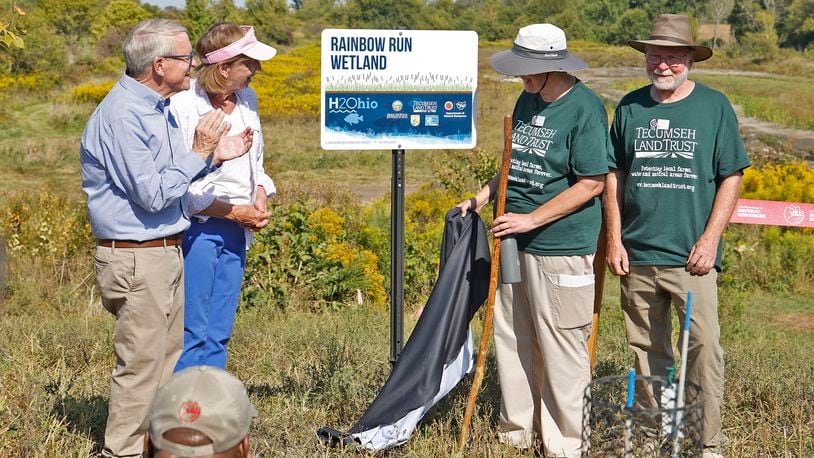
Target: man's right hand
249 217
468 205
617 258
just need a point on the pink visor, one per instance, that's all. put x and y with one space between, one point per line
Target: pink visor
247 45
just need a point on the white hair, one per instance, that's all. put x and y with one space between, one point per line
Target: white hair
149 39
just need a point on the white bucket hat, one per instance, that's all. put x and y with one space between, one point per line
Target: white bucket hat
538 48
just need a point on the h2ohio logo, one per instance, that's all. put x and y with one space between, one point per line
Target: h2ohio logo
350 104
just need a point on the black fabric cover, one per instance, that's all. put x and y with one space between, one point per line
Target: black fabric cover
441 331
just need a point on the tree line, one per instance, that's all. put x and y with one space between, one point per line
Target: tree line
56 34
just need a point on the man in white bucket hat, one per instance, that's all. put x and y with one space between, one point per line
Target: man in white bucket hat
542 323
676 163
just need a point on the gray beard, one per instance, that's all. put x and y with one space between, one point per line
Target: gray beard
678 80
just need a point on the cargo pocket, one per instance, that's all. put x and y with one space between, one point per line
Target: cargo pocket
573 300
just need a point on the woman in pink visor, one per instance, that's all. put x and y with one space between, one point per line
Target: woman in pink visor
225 206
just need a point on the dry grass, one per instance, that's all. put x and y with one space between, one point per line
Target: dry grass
306 370
803 321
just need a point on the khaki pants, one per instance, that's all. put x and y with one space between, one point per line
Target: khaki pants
541 331
143 288
647 292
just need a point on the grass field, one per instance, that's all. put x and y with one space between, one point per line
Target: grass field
309 369
306 370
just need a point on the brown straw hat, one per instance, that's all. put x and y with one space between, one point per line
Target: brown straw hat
672 30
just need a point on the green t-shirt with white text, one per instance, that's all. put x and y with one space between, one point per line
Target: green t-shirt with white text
553 144
675 155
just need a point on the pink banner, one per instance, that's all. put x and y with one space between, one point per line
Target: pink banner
773 213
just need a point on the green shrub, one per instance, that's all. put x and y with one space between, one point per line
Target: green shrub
47 225
790 182
423 229
768 257
307 258
464 173
48 243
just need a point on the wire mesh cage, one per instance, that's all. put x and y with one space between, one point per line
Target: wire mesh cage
653 427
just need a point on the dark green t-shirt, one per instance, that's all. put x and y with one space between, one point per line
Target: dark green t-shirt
675 155
552 145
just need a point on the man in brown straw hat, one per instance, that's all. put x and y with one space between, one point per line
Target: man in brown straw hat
558 168
676 171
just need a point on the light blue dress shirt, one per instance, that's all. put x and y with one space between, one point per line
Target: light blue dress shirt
135 165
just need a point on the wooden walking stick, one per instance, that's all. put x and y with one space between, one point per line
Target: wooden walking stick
490 302
599 286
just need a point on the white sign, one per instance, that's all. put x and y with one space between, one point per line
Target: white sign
398 89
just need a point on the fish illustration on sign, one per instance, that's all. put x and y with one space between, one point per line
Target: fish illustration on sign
354 118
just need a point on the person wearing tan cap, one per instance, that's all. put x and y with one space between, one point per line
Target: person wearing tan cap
677 164
558 167
201 411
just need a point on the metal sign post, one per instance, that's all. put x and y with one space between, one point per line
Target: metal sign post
397 256
398 90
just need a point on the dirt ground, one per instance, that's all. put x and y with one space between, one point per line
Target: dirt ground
801 321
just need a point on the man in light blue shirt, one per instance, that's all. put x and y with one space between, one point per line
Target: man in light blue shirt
135 171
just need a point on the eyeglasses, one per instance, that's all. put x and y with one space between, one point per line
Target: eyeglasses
183 57
671 61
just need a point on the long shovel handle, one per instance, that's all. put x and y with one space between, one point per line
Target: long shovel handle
488 314
599 287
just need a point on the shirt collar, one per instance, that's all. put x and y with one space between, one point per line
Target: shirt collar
201 100
142 92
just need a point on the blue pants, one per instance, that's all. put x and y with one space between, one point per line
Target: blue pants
214 258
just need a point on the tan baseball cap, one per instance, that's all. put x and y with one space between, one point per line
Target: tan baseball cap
204 398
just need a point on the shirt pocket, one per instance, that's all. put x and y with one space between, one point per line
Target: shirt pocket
572 304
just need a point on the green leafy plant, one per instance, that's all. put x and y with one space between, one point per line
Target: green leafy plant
768 257
11 35
463 173
307 258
